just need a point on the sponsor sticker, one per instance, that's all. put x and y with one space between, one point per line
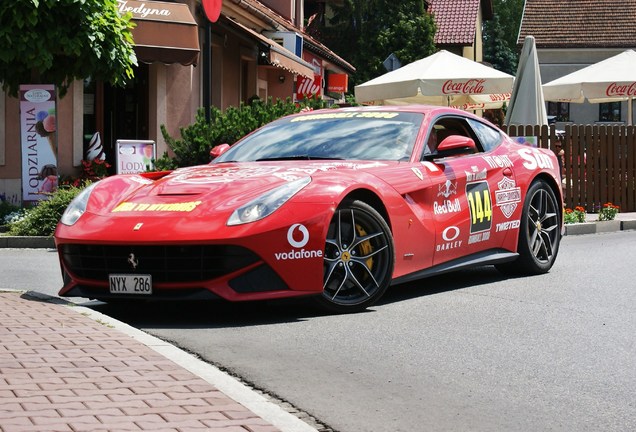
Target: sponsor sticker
430 166
534 158
447 189
508 225
449 235
479 237
297 237
447 206
418 173
476 175
148 207
498 161
508 196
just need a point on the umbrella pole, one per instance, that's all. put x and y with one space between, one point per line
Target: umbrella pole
630 102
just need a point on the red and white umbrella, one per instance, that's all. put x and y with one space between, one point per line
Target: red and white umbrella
610 80
440 79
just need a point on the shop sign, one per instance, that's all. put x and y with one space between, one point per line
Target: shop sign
38 141
337 82
212 9
135 156
306 87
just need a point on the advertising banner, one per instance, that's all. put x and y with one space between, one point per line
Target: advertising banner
306 87
135 156
38 141
337 82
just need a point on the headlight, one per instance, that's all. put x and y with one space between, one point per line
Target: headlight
267 203
77 207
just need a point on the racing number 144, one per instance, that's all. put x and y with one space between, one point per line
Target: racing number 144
478 196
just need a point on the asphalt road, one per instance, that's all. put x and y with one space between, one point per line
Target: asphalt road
469 351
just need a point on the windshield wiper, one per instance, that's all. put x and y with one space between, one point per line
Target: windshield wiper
297 157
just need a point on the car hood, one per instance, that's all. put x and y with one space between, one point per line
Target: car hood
219 186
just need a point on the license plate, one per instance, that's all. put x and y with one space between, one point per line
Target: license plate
130 284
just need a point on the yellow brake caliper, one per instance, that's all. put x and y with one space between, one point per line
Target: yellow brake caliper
365 247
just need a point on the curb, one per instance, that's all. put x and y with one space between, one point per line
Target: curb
35 242
597 227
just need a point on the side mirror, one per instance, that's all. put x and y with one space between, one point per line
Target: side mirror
219 150
457 144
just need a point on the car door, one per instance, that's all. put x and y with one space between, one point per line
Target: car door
463 200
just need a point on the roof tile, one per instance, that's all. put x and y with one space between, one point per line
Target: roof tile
456 21
580 23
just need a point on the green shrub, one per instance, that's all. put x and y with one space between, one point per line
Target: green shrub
228 127
6 208
42 218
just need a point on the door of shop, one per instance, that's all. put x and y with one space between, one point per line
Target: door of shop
116 112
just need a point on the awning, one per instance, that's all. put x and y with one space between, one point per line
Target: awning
279 56
164 32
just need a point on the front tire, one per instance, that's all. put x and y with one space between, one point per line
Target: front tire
539 234
359 259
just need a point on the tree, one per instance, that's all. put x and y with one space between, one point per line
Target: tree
496 50
366 32
59 41
500 35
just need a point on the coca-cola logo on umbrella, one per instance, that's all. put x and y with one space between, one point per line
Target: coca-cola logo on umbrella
615 89
471 86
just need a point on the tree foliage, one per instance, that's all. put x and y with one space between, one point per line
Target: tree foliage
59 41
500 35
366 32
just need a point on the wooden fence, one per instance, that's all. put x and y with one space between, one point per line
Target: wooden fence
599 163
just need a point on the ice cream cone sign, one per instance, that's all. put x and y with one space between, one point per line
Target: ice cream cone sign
95 149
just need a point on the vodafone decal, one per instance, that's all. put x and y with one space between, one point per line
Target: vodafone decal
297 237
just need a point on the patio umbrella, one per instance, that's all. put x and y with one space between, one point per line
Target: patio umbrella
527 106
440 79
610 80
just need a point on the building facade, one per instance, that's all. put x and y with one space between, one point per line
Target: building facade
255 49
572 36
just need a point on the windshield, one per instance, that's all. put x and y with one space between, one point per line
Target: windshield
358 135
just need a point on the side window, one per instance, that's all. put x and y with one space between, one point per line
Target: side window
487 136
445 127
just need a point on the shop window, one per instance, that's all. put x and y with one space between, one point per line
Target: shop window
559 110
609 112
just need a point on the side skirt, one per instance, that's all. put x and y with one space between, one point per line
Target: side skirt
489 257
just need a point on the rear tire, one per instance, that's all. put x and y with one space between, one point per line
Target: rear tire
539 233
359 259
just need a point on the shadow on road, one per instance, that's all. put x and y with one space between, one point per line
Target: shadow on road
221 314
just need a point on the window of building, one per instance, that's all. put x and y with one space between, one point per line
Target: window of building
609 112
559 110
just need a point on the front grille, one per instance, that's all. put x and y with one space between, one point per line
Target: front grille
165 263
